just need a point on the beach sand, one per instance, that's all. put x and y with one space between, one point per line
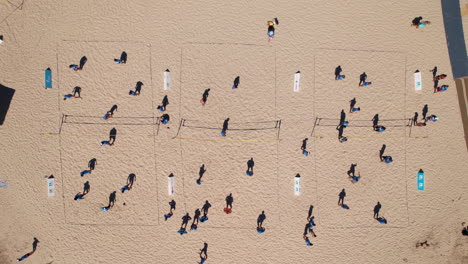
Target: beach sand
206 44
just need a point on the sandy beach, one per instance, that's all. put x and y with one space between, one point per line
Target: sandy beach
206 44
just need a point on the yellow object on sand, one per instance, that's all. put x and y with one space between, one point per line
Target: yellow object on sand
270 23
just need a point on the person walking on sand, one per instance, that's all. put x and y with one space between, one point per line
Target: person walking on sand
204 251
250 166
338 71
196 217
86 188
185 219
341 196
377 210
200 173
112 199
110 113
205 95
137 89
225 127
92 164
164 103
362 78
205 209
375 120
172 205
236 82
261 218
130 180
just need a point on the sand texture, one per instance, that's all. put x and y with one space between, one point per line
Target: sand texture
206 44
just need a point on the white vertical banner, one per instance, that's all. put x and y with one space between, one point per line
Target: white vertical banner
51 185
170 184
297 184
297 81
417 81
167 80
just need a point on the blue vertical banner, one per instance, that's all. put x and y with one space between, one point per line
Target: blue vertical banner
421 183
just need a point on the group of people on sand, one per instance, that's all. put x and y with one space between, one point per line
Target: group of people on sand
436 78
113 195
309 227
198 217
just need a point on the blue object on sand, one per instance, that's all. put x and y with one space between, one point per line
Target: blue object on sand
105 143
421 183
249 173
48 78
260 230
382 220
85 172
223 133
344 206
167 216
105 208
182 231
305 152
194 227
308 242
198 182
203 219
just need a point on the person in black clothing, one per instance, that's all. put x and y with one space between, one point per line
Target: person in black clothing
196 217
185 219
86 188
352 170
261 218
377 210
205 96
204 250
342 195
200 173
434 71
229 201
165 119
362 78
112 135
130 180
205 208
77 90
250 165
416 21
304 144
424 112
236 82
92 164
164 103
225 127
338 71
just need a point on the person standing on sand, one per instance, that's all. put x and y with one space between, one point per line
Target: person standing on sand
338 71
112 199
205 95
415 118
185 219
205 208
250 166
112 136
86 188
236 82
362 78
200 173
271 30
196 217
130 180
434 72
204 252
225 127
425 110
229 201
261 218
377 210
172 205
341 196
77 91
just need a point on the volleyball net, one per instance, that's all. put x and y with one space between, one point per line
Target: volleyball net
202 128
